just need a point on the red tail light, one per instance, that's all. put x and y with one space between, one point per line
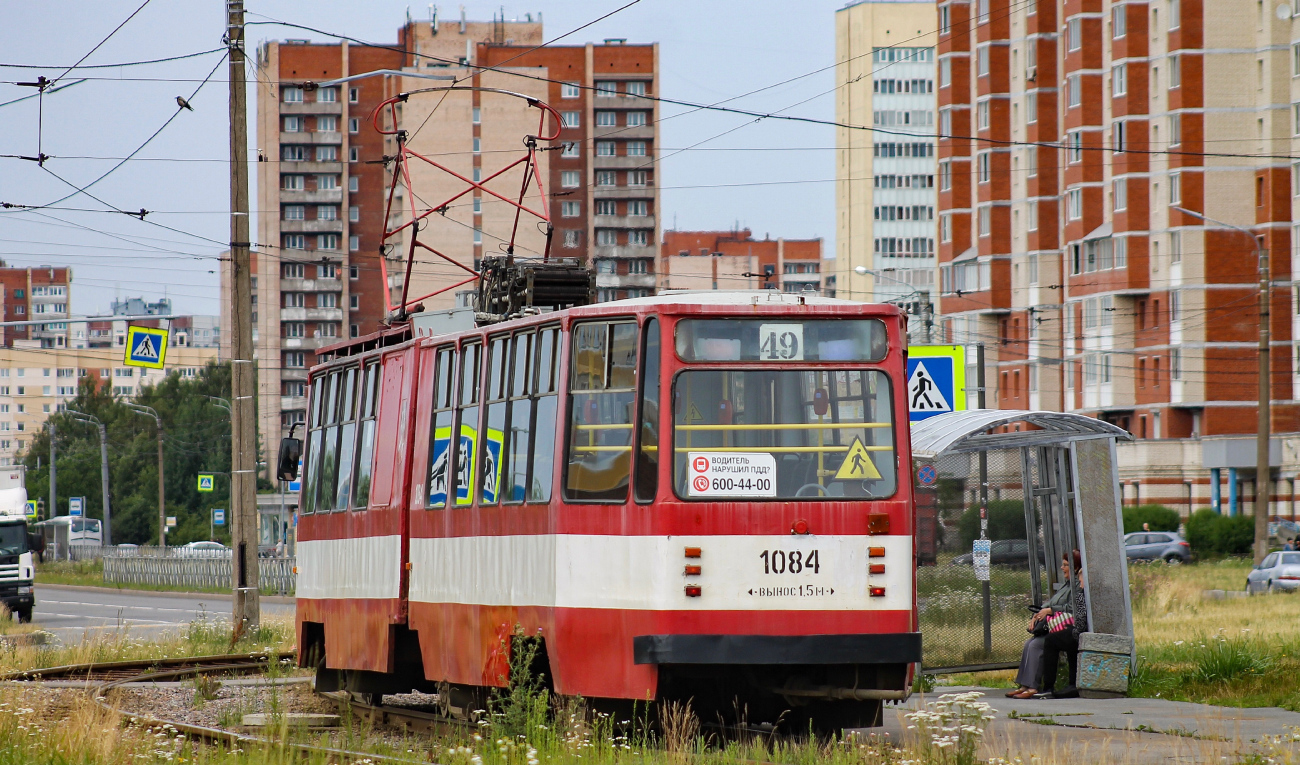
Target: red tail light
876 552
877 592
692 570
694 590
692 552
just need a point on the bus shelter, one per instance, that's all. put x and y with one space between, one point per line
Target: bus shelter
1047 483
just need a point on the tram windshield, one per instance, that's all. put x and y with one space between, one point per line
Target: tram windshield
783 434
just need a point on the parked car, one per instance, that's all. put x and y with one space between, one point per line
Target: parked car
1279 572
1157 545
203 550
1003 552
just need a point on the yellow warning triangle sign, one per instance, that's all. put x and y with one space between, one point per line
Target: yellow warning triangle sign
857 464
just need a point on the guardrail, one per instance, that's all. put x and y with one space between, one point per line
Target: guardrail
275 575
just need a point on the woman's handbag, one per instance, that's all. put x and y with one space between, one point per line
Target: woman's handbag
1059 620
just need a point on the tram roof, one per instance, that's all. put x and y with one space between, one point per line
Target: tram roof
966 431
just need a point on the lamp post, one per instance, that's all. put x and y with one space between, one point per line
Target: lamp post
103 469
146 411
1262 467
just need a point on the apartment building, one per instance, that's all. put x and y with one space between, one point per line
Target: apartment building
319 268
1075 134
31 294
735 260
196 331
36 382
885 169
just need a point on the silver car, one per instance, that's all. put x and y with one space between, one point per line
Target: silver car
1157 545
1280 572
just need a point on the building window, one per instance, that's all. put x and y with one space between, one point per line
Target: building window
295 359
1074 204
1175 129
292 95
1117 136
985 216
569 90
294 271
945 20
477 116
293 300
354 95
945 228
570 179
326 124
327 242
294 329
354 244
634 88
294 212
636 148
604 148
982 61
945 175
945 72
1118 21
327 95
478 236
606 266
293 153
1074 84
478 144
982 110
945 123
982 160
354 124
637 266
327 212
605 89
478 205
636 119
354 214
327 153
1074 31
638 178
570 209
606 207
1119 80
354 184
1075 140
605 119
572 238
327 182
293 183
354 272
1175 188
295 242
638 207
293 124
606 237
1175 14
1120 192
327 300
1175 247
1175 71
638 238
354 330
570 119
571 150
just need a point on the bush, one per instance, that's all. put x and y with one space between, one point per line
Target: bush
1211 533
1159 517
1006 521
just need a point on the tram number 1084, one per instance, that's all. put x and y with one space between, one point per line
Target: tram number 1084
793 562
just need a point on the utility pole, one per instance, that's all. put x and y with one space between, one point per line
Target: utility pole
148 411
1263 430
246 610
985 592
103 470
54 476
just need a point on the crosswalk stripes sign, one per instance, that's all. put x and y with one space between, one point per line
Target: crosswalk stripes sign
205 482
145 347
936 380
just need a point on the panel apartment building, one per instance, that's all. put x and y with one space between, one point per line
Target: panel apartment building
735 260
32 294
323 186
885 176
1080 130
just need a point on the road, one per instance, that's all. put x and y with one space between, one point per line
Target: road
72 613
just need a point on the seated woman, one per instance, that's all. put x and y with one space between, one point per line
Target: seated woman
1056 628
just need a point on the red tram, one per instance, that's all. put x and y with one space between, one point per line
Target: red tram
688 496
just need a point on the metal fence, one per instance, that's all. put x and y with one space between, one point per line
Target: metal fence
960 629
275 575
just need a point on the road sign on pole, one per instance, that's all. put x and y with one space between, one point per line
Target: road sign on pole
76 505
145 347
205 481
936 380
219 516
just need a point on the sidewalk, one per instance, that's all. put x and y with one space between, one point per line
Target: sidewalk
277 599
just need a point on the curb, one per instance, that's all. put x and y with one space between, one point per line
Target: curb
276 599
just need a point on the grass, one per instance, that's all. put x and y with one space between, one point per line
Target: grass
90 573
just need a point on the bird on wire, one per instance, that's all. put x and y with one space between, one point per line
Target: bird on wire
182 103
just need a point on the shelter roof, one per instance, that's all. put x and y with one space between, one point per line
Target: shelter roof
967 431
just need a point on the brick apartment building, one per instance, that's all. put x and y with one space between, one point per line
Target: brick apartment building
735 260
1091 291
36 293
319 278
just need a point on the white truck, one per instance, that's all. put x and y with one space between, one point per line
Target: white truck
17 573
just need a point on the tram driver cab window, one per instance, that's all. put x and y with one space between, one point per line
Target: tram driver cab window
602 408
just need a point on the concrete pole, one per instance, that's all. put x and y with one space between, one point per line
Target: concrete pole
162 495
103 481
246 610
54 475
1262 468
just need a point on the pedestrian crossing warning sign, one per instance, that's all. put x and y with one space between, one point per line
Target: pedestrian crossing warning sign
205 482
857 465
936 380
145 347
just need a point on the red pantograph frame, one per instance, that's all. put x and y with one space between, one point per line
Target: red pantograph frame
402 174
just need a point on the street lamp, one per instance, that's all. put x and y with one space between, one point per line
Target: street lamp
146 411
103 468
1262 467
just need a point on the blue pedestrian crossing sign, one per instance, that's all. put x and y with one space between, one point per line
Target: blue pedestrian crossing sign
145 347
936 380
205 481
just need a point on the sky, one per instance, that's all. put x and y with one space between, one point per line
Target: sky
773 177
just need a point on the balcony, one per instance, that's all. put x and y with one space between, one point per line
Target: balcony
624 251
618 101
292 403
622 163
311 314
306 167
315 137
331 196
311 285
625 281
638 133
305 343
624 192
625 221
311 226
292 374
311 107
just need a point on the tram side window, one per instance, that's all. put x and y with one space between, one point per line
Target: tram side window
347 436
602 401
519 435
491 445
465 451
444 405
647 463
329 445
312 462
546 404
366 449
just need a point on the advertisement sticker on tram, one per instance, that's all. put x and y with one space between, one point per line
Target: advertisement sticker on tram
731 474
